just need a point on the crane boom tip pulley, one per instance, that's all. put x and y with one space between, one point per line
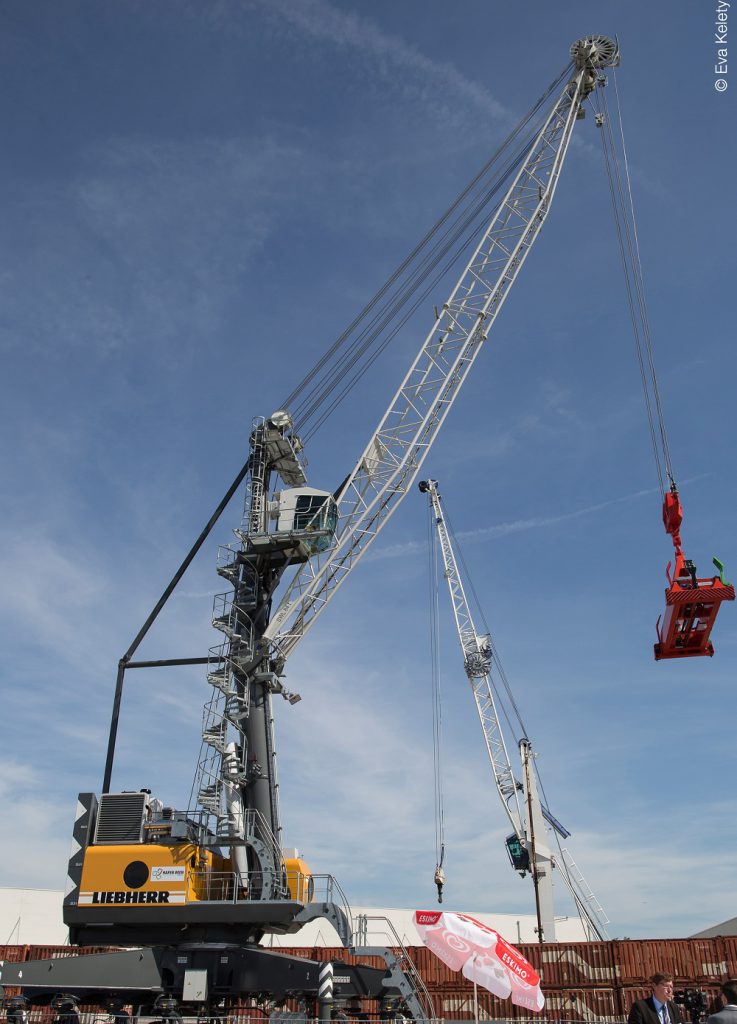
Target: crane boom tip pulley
595 52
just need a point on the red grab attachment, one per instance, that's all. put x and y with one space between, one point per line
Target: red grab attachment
691 604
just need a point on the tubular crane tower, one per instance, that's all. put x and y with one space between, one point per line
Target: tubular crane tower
529 818
144 874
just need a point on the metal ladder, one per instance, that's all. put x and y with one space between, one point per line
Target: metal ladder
402 971
585 893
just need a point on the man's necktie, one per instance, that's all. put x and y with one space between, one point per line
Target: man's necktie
664 1012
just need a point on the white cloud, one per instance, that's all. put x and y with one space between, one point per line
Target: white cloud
144 244
422 78
645 874
494 532
47 592
32 848
499 530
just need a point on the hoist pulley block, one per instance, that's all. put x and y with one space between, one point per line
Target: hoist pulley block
691 603
673 516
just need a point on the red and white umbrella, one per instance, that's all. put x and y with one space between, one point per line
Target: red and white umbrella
481 955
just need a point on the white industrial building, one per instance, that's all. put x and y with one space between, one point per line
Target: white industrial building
31 917
34 917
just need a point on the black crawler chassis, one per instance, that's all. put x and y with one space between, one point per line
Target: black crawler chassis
142 977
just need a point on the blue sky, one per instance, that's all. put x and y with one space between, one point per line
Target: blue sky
197 198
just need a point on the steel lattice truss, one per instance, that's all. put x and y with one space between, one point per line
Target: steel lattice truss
477 655
397 449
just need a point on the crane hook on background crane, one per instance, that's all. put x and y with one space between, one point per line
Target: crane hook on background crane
440 876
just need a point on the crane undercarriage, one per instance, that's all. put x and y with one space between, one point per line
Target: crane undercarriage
206 979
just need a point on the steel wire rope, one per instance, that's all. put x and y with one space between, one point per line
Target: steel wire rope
631 305
388 338
364 341
418 248
562 863
632 257
495 653
316 392
459 252
499 701
563 866
380 294
436 694
640 280
580 900
629 257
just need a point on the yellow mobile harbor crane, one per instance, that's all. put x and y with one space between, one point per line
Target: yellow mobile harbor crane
195 890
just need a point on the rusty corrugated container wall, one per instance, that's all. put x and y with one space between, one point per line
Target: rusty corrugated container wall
47 952
575 1004
582 981
729 953
697 959
14 954
563 964
560 1004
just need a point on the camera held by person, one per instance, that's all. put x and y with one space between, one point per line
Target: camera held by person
693 1001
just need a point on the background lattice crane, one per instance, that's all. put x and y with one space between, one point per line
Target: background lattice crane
528 846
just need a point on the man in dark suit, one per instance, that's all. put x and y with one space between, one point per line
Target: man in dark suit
658 1008
728 1014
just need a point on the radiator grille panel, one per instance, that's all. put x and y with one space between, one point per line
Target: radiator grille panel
120 818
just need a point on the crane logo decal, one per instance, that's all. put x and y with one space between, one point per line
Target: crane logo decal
130 897
167 874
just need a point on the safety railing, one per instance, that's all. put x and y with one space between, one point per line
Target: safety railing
238 887
227 886
396 955
340 1015
47 1015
